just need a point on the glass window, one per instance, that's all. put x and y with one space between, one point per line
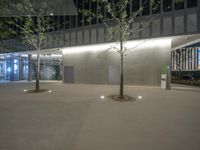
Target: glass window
174 60
191 3
198 58
7 67
86 7
108 15
185 55
193 58
183 59
56 22
67 22
156 7
128 9
74 17
2 70
94 10
24 68
61 22
80 15
16 69
12 67
135 5
51 21
190 59
187 60
167 5
146 9
101 11
73 21
179 5
178 59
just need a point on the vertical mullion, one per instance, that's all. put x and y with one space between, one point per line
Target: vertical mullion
173 16
161 17
172 61
185 16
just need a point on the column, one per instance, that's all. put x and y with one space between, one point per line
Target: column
29 67
21 64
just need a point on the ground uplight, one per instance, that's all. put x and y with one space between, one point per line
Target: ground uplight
102 97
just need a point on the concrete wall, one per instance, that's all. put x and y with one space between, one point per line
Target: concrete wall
141 65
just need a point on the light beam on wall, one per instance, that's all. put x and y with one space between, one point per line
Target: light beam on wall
87 48
130 45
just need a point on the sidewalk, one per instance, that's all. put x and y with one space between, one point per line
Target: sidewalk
74 117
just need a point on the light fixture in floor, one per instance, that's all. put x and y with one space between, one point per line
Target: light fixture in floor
102 97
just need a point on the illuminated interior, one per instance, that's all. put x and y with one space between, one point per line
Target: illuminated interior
186 59
17 66
13 67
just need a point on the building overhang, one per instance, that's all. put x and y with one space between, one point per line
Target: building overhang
58 7
183 41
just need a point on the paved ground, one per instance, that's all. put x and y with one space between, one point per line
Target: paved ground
73 117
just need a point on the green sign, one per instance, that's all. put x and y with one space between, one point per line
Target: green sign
164 69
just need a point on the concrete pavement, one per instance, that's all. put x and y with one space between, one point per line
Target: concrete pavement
74 117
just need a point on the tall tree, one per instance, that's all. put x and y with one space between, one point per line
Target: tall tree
119 24
33 26
118 20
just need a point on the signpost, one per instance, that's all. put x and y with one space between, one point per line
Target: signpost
165 77
198 50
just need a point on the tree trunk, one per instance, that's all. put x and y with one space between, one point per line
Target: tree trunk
37 84
121 88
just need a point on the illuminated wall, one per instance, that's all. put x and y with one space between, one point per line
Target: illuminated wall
142 63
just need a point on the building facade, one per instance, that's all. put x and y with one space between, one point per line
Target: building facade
84 60
82 43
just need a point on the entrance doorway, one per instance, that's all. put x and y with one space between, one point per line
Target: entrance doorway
113 74
68 74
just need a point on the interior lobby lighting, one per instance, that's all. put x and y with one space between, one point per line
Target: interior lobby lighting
24 55
139 97
25 90
56 55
